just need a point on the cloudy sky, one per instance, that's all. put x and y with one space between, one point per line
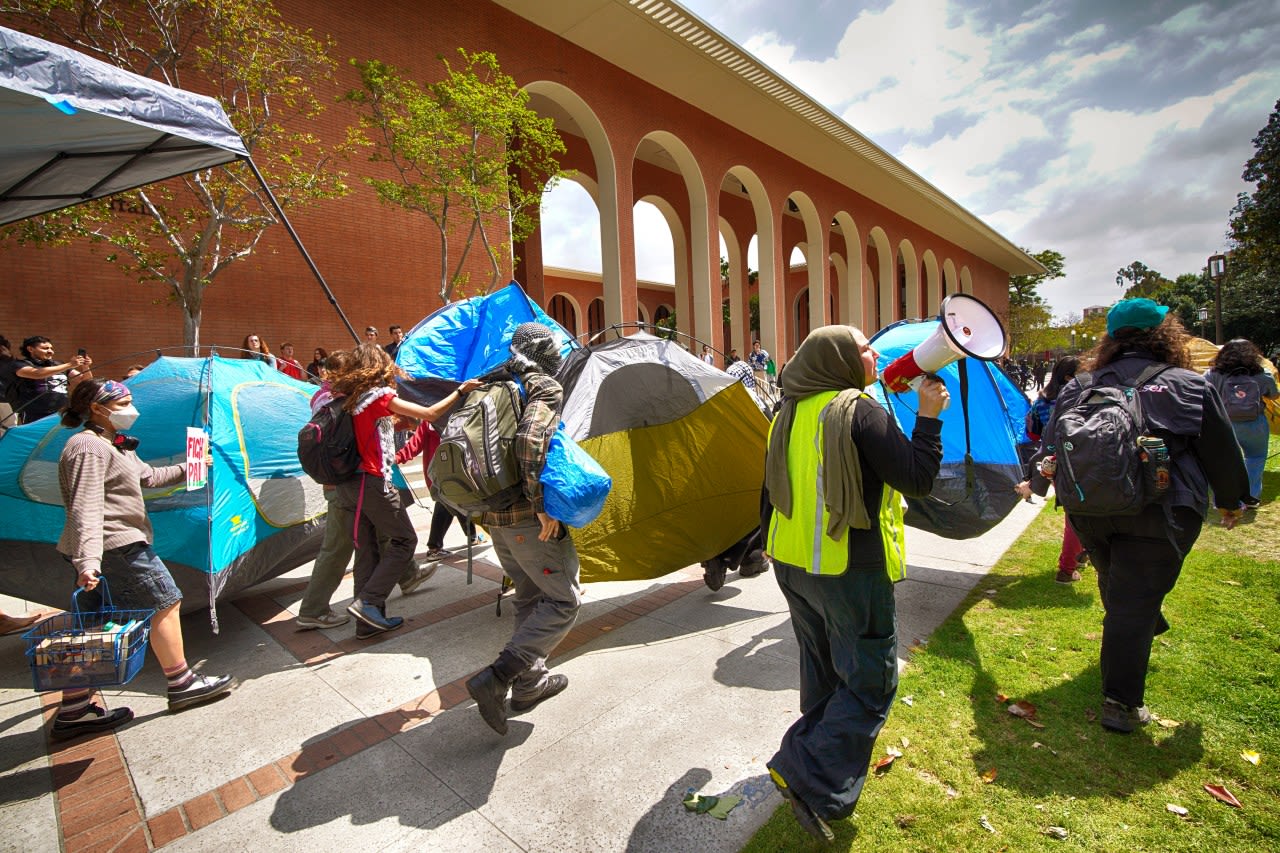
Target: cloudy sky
1109 130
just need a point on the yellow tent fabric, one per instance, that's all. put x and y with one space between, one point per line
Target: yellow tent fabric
682 492
1202 355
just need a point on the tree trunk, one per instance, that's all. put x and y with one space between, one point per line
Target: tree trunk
192 308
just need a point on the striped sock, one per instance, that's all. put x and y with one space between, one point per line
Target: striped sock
75 704
179 676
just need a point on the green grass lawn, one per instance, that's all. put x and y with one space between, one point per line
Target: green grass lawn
1214 684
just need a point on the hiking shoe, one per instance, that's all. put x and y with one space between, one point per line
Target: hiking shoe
364 632
421 575
201 689
373 616
752 568
555 683
713 576
95 719
1067 576
435 555
490 694
805 816
328 619
1121 718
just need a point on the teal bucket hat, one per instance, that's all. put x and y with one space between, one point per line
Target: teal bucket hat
1138 313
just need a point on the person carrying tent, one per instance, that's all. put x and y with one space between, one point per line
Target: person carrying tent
836 559
534 549
107 534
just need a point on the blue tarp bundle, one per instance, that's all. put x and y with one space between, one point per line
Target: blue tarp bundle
969 497
467 339
259 517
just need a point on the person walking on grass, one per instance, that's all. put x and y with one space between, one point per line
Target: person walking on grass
107 534
1138 557
383 535
534 549
837 544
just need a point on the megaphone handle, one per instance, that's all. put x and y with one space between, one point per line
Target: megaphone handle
917 381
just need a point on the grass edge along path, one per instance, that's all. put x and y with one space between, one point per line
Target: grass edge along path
973 776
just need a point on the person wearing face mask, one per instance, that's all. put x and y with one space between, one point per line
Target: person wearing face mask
835 469
107 534
44 383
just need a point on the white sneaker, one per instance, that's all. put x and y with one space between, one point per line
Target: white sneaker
327 620
421 575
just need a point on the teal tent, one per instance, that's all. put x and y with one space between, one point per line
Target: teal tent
259 517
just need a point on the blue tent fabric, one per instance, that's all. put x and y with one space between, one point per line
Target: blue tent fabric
969 497
259 517
466 339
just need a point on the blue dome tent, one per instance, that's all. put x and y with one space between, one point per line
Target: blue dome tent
980 433
259 517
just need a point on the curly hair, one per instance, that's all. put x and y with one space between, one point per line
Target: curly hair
1238 356
248 351
1167 342
369 367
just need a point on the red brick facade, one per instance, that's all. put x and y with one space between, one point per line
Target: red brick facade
382 264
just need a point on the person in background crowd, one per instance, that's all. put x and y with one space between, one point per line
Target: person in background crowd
8 379
397 338
255 347
1072 556
732 357
287 364
534 549
1139 557
317 364
371 335
838 545
43 384
384 536
1243 384
134 370
707 356
107 534
758 358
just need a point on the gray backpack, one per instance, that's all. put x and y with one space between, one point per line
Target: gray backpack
474 470
1107 464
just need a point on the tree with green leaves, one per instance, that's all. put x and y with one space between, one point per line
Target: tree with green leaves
1143 281
466 152
1028 320
184 232
1251 290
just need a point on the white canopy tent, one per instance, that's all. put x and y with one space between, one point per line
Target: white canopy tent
77 129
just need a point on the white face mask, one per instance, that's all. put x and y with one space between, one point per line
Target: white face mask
122 419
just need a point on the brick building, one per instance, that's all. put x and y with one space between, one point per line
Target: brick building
654 105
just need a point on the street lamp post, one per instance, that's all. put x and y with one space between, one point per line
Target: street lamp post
1073 341
1202 314
1217 269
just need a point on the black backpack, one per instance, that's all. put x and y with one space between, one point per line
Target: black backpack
1107 463
1241 396
327 445
474 469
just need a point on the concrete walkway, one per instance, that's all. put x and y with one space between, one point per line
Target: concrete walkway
331 744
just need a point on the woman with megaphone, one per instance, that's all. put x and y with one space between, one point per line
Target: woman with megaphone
836 467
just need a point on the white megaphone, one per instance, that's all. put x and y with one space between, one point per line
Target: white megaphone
967 329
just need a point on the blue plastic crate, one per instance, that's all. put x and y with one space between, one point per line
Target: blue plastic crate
88 649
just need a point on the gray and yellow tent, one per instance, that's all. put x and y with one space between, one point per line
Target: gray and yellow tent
684 444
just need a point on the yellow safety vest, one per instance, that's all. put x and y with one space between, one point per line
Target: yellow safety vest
802 539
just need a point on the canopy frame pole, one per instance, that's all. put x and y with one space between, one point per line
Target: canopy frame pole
275 205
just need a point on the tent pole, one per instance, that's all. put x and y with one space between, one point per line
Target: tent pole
301 248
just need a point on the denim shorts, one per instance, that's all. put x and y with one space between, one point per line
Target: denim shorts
138 580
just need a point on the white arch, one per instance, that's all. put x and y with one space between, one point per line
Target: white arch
705 299
932 283
966 281
886 284
815 236
910 266
851 286
770 265
950 282
736 255
680 248
607 189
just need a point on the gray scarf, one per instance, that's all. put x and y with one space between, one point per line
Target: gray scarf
830 359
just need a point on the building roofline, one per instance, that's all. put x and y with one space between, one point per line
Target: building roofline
709 71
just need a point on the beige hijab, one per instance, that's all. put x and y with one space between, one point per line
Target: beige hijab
830 359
